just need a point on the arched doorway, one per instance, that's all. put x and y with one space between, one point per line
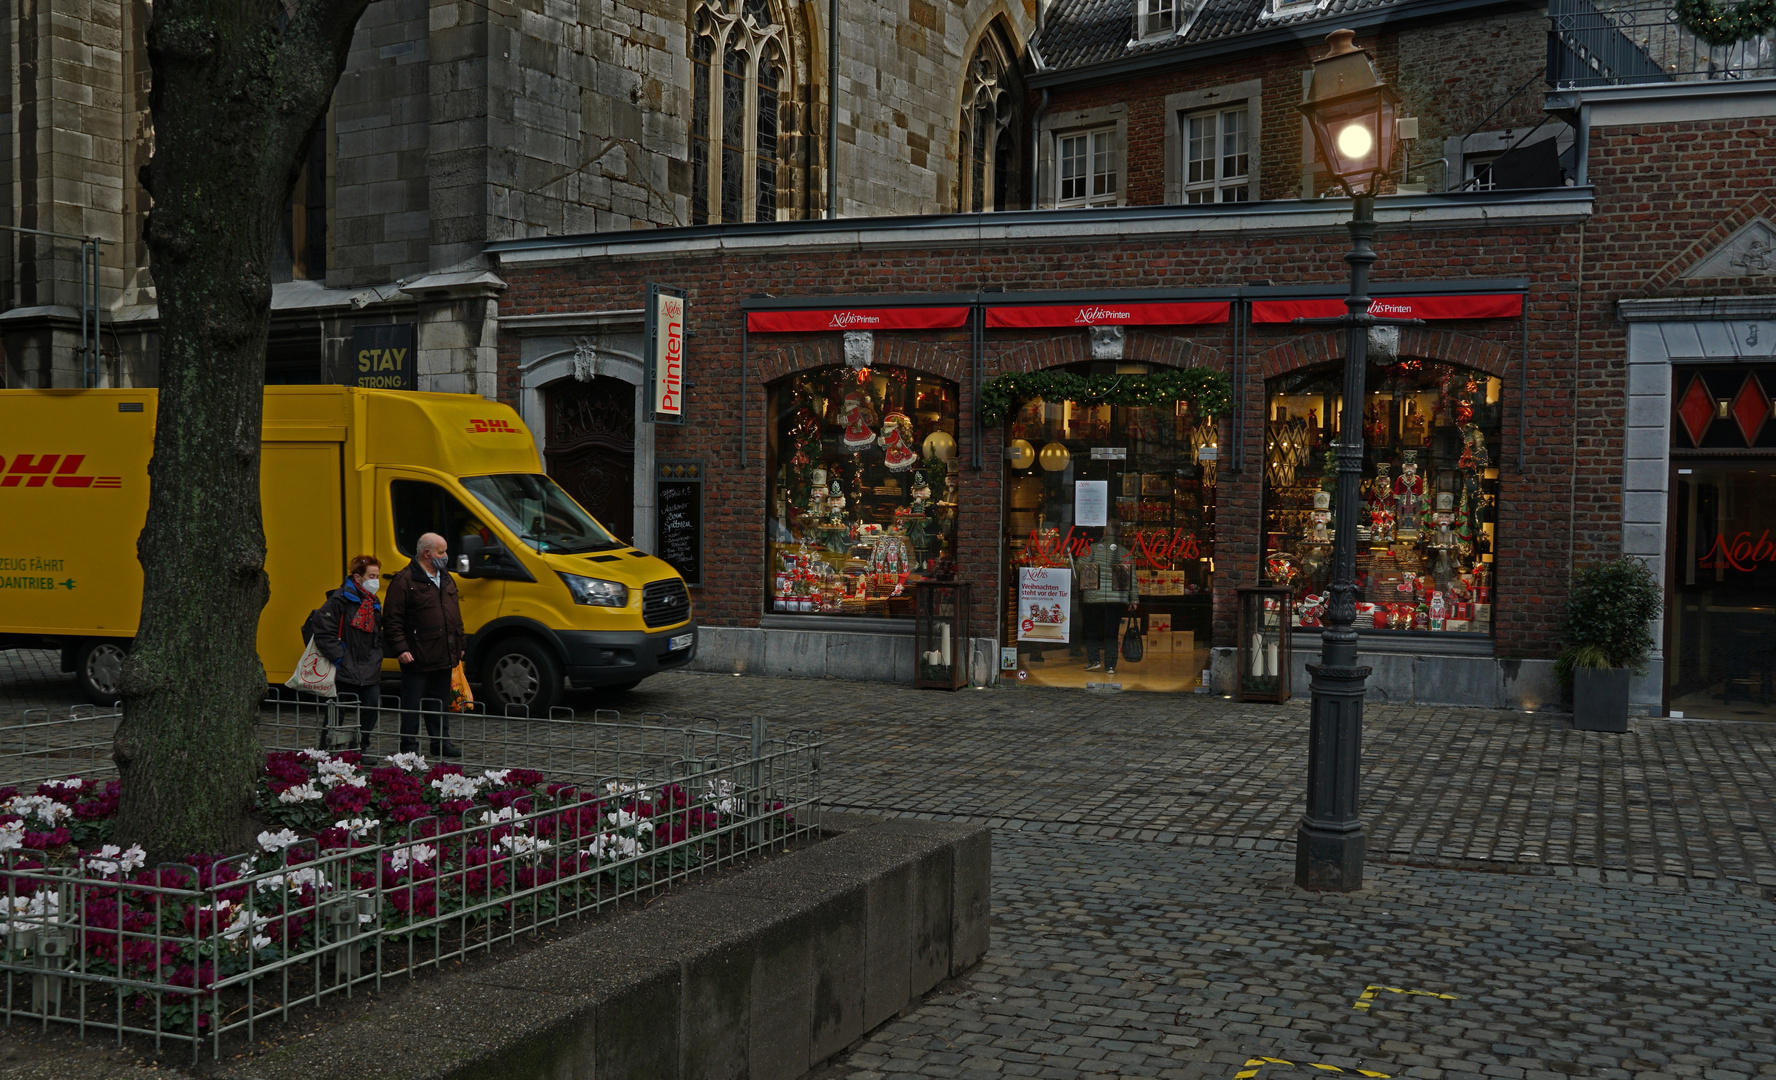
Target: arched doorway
589 447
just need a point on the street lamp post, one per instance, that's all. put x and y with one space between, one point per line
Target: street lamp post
1351 112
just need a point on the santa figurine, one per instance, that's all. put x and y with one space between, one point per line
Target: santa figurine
897 439
859 420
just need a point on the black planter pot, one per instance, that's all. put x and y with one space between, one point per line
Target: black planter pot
1600 699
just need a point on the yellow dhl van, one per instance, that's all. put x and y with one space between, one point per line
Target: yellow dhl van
547 593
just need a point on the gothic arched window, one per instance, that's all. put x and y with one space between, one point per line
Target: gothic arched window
737 64
987 144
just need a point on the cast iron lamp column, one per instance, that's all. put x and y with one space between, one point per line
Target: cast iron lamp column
1351 113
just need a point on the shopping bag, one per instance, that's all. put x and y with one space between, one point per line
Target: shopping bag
1133 647
314 673
461 698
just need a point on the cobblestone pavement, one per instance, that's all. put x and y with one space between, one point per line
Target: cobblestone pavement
1596 905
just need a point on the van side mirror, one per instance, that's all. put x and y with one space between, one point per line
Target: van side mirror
489 559
473 557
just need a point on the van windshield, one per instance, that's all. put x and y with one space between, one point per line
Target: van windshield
540 513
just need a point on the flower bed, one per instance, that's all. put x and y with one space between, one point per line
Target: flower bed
365 868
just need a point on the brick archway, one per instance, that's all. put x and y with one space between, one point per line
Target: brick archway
1447 346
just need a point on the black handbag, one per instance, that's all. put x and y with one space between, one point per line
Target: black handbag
1133 647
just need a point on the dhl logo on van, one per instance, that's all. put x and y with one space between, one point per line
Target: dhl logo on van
36 470
492 427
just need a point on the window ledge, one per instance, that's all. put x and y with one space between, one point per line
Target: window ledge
840 624
1414 642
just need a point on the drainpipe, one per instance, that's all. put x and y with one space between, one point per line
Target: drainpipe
832 109
1036 148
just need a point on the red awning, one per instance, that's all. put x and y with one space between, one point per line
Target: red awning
1108 314
830 319
1475 306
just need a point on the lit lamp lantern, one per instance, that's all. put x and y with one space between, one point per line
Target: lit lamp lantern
940 635
1021 454
1054 457
940 445
1351 112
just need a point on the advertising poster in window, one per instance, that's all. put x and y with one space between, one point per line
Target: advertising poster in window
1091 503
1045 603
381 357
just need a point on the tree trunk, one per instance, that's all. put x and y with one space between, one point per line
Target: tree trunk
237 87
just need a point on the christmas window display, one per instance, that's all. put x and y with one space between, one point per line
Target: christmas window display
1429 495
863 480
1110 541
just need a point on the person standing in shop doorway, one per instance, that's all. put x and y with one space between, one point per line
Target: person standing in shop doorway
1106 577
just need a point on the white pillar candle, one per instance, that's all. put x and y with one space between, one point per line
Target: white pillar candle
943 642
1271 658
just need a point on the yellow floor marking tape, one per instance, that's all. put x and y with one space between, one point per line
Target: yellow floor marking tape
1369 992
1254 1064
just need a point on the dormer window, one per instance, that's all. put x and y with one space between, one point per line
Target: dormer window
1291 7
1154 18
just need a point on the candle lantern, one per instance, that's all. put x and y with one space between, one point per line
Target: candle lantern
1263 659
940 635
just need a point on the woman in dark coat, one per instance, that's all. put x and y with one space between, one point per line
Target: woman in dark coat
347 630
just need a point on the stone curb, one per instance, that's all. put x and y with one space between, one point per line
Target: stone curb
764 974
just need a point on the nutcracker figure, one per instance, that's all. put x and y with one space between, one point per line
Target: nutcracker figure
1410 504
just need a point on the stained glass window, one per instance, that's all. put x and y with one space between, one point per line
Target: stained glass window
767 137
733 130
737 115
701 48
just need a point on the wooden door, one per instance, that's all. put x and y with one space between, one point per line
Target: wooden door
589 447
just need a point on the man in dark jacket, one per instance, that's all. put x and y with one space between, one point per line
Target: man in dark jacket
424 627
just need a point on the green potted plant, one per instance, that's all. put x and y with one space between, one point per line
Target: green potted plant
1609 616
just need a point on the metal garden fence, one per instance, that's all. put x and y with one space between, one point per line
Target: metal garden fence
548 820
1619 42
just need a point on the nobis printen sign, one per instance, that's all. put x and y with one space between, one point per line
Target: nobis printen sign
381 357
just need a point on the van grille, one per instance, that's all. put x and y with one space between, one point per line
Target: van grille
664 602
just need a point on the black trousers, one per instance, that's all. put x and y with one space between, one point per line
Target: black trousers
417 689
369 703
1101 623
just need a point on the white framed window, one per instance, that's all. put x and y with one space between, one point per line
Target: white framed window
1479 170
1217 165
1086 168
1155 17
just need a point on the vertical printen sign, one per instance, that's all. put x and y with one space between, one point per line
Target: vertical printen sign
666 310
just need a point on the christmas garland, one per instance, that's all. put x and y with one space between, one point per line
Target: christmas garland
1208 391
1716 25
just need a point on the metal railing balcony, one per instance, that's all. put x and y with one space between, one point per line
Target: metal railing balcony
1627 42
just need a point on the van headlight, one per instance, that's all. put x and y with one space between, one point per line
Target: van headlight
597 591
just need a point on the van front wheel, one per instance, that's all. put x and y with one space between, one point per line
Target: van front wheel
98 666
520 671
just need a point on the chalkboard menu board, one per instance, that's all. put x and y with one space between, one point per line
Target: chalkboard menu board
678 509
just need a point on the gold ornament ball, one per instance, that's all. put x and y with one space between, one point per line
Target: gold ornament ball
1054 457
940 445
1023 455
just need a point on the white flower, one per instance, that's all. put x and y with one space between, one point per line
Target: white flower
496 777
245 921
401 858
300 878
407 762
72 783
614 846
48 812
278 841
359 827
33 911
517 844
623 819
316 755
306 792
12 836
720 794
336 772
456 786
495 817
640 791
112 859
261 942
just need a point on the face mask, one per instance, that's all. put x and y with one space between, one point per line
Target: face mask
371 585
439 562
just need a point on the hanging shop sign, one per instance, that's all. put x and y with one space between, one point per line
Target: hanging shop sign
831 319
1108 314
666 352
1045 603
1472 306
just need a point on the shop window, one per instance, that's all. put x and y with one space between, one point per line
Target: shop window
1110 535
1429 492
863 483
